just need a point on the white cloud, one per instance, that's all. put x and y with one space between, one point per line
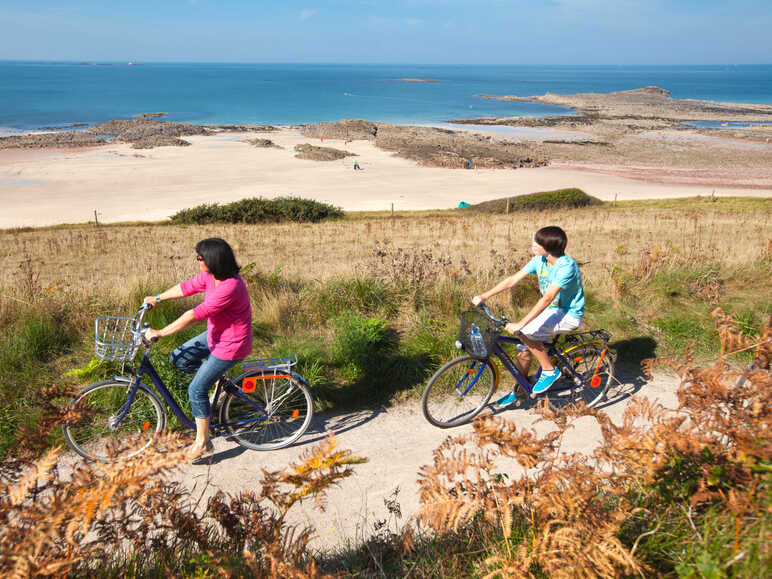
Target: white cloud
307 13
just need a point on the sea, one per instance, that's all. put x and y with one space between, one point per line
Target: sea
38 96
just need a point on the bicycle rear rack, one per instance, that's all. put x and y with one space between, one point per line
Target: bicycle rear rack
270 364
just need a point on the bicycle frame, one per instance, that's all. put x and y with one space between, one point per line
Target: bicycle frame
511 367
146 368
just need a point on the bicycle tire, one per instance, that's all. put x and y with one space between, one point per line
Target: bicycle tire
289 410
442 400
92 436
585 360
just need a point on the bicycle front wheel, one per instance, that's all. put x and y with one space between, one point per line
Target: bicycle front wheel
459 391
100 427
272 416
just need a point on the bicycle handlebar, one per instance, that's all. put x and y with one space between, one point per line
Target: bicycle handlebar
140 316
484 309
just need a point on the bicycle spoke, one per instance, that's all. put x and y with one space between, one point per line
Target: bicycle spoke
273 416
458 392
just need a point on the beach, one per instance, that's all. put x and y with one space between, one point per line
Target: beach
50 186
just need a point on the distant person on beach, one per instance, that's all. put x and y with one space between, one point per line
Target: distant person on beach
227 339
356 166
560 309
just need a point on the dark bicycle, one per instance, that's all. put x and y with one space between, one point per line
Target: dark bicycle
460 389
267 407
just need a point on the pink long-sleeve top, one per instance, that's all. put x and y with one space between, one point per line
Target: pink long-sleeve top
227 312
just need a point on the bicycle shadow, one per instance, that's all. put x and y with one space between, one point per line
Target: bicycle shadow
629 379
337 422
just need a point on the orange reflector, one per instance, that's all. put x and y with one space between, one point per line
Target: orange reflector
595 382
470 371
249 384
146 425
295 413
578 358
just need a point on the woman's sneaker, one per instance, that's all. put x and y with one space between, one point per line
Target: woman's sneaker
546 380
505 401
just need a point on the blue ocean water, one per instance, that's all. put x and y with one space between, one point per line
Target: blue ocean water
37 94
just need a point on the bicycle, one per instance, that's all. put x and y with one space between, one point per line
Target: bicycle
267 407
460 389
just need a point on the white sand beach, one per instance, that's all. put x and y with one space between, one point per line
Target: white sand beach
44 187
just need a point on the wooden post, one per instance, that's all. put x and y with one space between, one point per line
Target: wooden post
615 199
96 219
507 205
392 210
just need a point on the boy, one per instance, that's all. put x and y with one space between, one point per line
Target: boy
560 309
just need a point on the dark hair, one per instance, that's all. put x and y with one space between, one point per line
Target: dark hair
218 257
552 239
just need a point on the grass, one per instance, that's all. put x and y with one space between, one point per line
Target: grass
370 303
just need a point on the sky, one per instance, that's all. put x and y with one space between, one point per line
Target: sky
613 32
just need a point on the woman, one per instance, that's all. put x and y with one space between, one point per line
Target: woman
228 336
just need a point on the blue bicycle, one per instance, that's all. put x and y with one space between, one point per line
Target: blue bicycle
267 407
461 389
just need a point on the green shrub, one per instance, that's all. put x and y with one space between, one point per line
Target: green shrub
363 295
259 210
359 342
558 199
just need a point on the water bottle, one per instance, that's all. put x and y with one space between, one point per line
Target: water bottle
477 342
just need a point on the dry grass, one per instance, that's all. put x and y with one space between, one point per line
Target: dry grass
88 262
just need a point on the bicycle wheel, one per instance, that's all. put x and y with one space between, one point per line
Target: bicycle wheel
275 415
93 431
588 361
459 391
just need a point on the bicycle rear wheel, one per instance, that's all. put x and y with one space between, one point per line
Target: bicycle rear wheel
273 416
596 370
96 430
459 391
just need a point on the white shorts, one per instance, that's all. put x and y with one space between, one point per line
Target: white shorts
547 324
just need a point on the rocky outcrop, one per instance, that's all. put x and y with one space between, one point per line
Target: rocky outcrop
241 128
159 141
435 147
137 129
45 140
150 115
313 153
263 144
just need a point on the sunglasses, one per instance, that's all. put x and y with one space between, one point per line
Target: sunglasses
199 258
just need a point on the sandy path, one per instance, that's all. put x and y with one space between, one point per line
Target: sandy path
397 442
124 184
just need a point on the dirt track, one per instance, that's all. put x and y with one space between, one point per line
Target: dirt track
397 442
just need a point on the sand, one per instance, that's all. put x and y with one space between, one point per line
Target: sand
45 187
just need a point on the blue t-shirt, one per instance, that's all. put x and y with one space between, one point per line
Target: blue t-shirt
564 273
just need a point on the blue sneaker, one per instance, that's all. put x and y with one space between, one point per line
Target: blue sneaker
505 401
546 380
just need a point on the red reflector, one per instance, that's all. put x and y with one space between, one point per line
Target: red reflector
248 384
295 413
146 425
595 382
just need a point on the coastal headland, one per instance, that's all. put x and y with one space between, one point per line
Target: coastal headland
627 145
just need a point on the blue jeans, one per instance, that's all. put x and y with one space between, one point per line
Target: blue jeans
194 356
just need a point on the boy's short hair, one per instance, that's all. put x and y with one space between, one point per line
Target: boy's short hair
552 239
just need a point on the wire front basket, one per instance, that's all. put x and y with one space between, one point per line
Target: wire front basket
478 333
116 338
